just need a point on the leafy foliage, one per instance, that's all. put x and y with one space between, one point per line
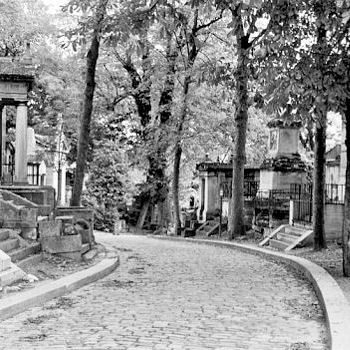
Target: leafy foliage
107 184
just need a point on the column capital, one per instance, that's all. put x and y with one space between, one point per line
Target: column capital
22 104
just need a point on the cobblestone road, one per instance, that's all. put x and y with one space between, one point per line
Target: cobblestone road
173 295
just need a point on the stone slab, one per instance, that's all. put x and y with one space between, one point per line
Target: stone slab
51 228
62 244
10 275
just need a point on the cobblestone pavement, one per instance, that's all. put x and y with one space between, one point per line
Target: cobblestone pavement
174 295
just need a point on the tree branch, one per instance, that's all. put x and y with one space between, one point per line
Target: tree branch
206 25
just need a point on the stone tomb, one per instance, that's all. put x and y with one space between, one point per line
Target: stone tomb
283 165
16 79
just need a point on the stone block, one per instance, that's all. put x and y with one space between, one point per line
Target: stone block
61 244
83 217
5 261
50 228
10 275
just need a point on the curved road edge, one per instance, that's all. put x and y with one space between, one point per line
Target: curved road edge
332 299
18 303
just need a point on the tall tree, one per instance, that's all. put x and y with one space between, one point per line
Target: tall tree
247 34
323 9
84 135
191 30
346 226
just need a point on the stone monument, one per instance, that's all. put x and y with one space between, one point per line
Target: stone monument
16 79
283 165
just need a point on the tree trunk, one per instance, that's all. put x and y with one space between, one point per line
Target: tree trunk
192 54
320 133
346 226
319 182
176 177
236 225
177 156
165 110
83 144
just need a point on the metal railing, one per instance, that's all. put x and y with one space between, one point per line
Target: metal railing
302 211
250 188
276 203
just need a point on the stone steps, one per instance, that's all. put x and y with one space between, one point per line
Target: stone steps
208 228
14 249
30 260
4 234
9 244
287 237
277 244
294 230
10 275
24 252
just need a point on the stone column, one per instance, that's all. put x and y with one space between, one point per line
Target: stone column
21 167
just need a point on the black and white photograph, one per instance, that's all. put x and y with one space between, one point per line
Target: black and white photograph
174 174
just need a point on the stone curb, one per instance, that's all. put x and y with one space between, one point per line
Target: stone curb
18 303
332 299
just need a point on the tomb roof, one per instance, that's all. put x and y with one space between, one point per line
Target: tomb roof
284 123
217 166
17 69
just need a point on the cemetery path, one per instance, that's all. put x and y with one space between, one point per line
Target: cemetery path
175 295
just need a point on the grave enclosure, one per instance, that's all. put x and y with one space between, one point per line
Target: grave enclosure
277 191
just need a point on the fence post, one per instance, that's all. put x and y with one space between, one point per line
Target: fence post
291 212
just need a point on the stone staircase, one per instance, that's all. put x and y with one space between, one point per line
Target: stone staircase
17 248
210 227
9 243
18 213
287 237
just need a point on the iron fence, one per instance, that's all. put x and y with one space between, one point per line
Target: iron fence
250 188
302 211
